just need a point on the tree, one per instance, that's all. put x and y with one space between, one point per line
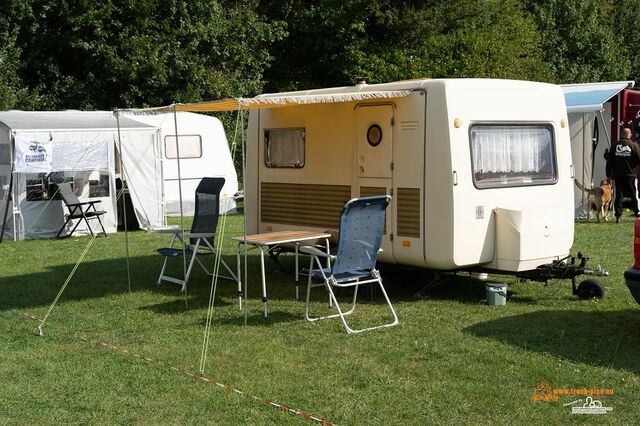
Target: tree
579 41
330 42
12 91
58 54
490 39
126 53
8 73
626 23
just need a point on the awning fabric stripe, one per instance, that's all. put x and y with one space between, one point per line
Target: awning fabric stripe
278 101
271 101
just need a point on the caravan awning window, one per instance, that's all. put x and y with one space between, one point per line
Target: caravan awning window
512 155
190 146
284 147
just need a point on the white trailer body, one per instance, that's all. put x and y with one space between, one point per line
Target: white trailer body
479 171
204 152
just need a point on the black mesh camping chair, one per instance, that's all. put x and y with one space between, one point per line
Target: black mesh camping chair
202 234
83 210
361 228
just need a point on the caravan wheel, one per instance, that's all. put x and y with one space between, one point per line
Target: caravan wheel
590 289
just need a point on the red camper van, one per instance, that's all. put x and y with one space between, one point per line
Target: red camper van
625 112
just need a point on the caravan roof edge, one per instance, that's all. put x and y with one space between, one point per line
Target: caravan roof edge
418 84
66 120
629 84
82 129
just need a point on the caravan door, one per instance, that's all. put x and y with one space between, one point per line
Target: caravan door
374 161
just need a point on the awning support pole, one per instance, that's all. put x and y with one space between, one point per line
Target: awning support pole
124 200
184 242
604 128
6 207
244 206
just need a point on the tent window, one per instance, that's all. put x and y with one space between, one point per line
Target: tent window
284 147
99 188
85 183
38 187
190 146
512 155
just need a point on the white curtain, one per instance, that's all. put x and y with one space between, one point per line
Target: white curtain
510 149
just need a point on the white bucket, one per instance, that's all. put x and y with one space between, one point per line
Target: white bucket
483 276
496 294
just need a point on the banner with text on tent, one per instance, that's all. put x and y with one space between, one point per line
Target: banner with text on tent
46 152
34 152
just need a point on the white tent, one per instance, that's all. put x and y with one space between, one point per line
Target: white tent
204 151
589 114
82 147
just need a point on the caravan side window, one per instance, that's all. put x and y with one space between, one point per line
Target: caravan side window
512 155
284 147
190 146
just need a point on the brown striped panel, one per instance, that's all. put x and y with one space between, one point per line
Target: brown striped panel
370 191
408 220
303 204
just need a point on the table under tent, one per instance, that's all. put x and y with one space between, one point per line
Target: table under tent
81 148
590 114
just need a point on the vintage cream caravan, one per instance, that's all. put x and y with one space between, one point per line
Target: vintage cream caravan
479 170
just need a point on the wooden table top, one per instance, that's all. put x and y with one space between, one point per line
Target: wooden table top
280 237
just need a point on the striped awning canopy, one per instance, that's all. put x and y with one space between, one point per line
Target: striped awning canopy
271 101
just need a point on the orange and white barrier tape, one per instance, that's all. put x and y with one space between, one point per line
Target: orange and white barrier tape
202 379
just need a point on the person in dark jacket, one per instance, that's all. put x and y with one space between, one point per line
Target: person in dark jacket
624 158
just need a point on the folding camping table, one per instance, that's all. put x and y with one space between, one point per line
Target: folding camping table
269 241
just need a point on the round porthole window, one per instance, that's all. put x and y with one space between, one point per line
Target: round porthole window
374 135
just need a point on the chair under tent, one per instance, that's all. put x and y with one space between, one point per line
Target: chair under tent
200 240
82 210
360 236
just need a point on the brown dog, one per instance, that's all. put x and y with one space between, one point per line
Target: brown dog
600 197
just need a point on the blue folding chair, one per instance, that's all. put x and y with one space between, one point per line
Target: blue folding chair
361 227
202 234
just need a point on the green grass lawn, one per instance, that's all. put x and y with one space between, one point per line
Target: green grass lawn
453 359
